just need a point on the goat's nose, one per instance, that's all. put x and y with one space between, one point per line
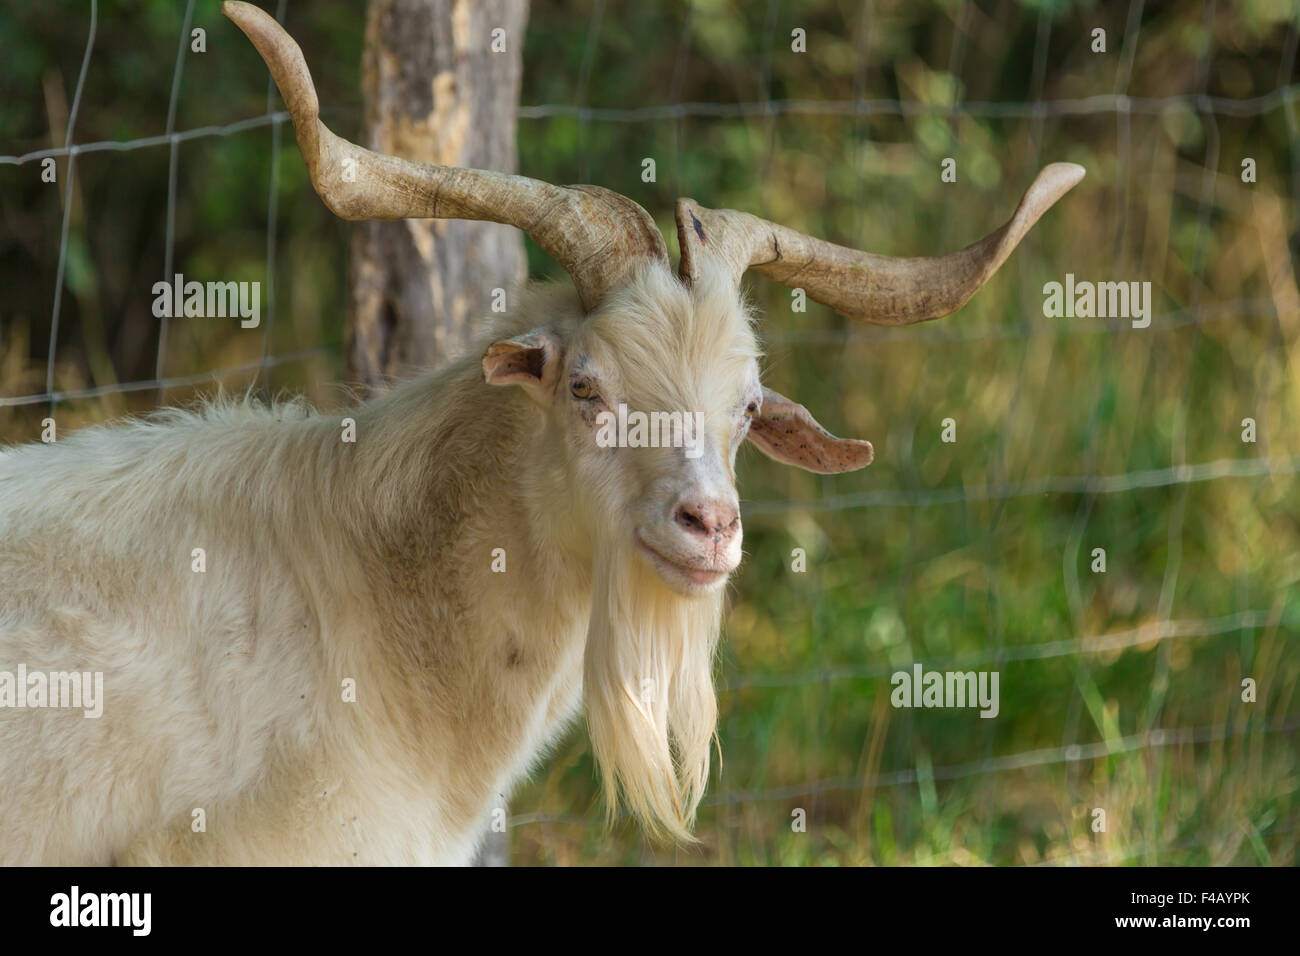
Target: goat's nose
708 518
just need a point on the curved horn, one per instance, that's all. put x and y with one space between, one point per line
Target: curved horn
880 289
598 236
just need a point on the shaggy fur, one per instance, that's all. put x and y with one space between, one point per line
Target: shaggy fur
371 561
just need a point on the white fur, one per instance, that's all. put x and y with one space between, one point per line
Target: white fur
329 561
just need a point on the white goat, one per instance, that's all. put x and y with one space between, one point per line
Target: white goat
351 671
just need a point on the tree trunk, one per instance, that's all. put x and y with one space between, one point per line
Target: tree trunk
435 90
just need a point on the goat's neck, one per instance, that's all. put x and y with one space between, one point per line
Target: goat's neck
481 666
445 457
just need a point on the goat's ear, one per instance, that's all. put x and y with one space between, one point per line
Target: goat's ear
531 360
786 431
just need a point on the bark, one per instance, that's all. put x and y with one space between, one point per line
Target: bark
435 91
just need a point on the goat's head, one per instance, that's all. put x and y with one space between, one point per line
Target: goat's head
654 343
653 393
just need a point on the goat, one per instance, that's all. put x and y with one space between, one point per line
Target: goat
380 637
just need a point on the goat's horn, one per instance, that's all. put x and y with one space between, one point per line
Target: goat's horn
878 289
598 236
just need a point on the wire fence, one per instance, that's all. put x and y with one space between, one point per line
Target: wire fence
1069 754
1098 644
1162 631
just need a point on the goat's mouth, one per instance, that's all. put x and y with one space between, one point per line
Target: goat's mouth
690 578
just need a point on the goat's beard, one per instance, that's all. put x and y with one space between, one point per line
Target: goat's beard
648 683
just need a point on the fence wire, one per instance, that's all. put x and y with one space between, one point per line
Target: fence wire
1026 759
1161 631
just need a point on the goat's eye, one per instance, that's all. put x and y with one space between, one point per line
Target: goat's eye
751 409
581 390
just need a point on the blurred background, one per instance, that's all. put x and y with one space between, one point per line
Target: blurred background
1121 690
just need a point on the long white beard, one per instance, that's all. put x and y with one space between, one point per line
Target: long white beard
648 683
